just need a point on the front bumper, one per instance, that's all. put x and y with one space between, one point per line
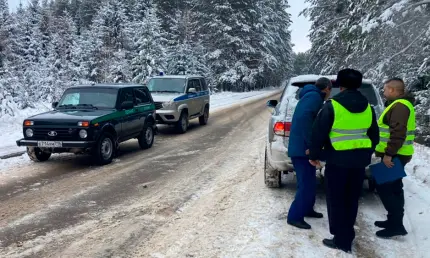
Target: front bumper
66 144
167 116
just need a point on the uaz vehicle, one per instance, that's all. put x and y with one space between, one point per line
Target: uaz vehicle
92 119
276 153
180 98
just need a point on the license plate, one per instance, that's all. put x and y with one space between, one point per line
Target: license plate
49 144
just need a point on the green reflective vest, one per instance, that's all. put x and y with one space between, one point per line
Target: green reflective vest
407 148
349 130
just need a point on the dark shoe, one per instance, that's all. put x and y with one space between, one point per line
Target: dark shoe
391 232
331 244
382 224
299 224
314 214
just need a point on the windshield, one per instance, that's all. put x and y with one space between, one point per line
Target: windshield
176 85
88 98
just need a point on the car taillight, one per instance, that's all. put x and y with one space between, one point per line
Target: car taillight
282 128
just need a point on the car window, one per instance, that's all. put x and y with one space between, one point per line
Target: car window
203 83
197 85
140 96
126 95
366 89
97 97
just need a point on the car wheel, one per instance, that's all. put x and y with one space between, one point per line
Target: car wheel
203 120
182 124
105 149
272 177
37 155
146 138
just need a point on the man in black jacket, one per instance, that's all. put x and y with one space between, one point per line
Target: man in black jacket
346 130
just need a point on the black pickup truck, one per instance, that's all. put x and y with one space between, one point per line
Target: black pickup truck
92 119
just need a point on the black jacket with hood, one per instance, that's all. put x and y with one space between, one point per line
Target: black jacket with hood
354 102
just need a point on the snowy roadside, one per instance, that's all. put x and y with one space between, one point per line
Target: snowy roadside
11 127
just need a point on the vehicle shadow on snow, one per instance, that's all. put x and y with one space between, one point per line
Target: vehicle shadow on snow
170 129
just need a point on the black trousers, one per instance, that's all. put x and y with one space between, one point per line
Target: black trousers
393 199
343 189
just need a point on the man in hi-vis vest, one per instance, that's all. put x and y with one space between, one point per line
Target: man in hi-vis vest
346 130
397 134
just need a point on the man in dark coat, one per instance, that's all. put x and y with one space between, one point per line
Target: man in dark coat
347 130
311 99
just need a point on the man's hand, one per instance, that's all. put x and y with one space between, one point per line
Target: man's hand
307 152
388 161
315 163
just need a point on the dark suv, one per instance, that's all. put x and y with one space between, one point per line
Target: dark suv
92 119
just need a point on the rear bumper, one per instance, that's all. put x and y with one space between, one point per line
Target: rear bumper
277 155
66 144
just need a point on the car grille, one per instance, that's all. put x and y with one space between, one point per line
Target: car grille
62 133
158 105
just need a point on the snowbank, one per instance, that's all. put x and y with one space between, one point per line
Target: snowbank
419 167
11 127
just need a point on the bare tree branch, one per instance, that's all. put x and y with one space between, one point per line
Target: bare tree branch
418 4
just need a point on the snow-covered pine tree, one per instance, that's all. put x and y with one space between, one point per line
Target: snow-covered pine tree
112 28
148 42
5 23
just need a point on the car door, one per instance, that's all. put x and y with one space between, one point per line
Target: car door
200 98
127 118
205 99
142 102
191 97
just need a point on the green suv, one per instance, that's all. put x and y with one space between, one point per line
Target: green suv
92 119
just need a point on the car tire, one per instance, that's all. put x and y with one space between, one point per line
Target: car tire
104 150
203 120
182 124
146 138
272 177
37 155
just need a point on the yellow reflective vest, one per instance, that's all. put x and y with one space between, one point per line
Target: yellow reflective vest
349 130
407 148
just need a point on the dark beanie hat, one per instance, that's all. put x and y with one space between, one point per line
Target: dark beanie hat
349 78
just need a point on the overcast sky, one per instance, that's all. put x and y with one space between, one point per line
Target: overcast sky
299 28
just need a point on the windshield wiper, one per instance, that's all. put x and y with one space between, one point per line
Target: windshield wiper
166 91
67 106
87 105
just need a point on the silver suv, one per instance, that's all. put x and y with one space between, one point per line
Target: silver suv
276 153
180 98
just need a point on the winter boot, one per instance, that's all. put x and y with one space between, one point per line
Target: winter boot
332 244
382 224
392 232
314 214
299 224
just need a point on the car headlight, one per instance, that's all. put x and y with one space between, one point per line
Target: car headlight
83 134
169 104
29 132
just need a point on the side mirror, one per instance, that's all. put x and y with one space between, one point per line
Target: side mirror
127 105
192 90
272 103
55 104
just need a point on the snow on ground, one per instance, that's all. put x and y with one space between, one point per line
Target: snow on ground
11 127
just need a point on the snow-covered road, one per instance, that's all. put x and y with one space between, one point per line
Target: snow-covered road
195 195
11 126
